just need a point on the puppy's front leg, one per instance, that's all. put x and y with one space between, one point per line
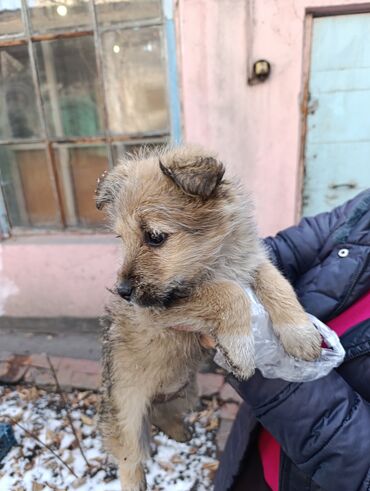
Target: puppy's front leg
225 309
222 310
132 439
125 446
289 321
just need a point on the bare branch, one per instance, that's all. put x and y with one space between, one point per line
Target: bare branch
35 437
59 389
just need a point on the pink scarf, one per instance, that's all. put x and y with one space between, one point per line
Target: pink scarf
268 447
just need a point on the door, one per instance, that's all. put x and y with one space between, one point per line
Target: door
337 152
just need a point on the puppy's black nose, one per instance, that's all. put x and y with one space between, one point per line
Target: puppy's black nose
124 289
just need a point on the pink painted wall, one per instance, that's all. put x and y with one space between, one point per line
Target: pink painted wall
56 276
256 131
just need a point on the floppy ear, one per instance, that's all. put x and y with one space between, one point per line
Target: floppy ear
198 176
108 186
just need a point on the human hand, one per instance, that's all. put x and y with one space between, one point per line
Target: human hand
206 341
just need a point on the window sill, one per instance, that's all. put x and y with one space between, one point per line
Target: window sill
61 238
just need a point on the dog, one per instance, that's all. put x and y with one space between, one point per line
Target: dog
190 248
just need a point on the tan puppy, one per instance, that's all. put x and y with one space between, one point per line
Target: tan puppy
190 247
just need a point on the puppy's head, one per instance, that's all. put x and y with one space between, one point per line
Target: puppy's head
171 209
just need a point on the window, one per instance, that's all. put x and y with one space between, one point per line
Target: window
81 82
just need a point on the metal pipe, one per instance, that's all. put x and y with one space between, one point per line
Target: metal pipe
173 83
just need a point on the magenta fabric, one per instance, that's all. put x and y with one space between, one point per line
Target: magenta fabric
358 312
268 447
270 455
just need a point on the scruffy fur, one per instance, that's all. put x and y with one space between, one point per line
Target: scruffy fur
196 277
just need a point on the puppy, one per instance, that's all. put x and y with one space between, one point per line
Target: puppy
190 248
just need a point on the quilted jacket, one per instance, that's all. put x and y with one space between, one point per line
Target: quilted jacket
323 427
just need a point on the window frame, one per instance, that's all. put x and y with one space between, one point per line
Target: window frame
173 132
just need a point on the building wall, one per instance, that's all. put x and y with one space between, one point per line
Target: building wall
56 276
255 129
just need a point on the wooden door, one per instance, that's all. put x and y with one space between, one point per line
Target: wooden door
337 151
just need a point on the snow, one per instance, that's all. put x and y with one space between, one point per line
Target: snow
31 467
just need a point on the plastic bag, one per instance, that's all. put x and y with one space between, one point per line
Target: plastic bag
273 361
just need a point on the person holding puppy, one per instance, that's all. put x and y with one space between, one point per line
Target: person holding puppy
315 435
190 250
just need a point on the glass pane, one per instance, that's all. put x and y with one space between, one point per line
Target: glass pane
10 17
19 116
69 86
60 15
110 12
119 149
78 168
135 71
27 187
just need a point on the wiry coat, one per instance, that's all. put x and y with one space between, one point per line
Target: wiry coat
190 247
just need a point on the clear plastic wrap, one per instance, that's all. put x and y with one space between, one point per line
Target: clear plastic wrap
273 361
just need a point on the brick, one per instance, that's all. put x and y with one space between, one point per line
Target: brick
209 383
35 369
11 372
55 361
90 366
5 356
227 393
39 376
229 410
82 380
38 360
68 364
223 434
4 368
65 378
79 365
41 361
79 373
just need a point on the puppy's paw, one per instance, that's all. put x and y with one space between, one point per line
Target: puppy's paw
302 341
132 487
132 478
238 353
127 486
180 433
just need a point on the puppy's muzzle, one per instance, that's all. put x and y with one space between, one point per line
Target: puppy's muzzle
125 289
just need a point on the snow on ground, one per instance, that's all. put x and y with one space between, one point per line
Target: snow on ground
32 467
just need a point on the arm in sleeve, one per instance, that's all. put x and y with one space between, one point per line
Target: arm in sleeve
322 426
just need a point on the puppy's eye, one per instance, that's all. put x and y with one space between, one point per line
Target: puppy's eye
155 239
118 236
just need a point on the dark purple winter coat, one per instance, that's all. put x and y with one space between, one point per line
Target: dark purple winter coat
323 427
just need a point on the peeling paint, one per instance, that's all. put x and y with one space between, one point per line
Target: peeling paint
312 106
7 287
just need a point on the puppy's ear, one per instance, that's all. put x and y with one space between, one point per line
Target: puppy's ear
198 176
108 186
